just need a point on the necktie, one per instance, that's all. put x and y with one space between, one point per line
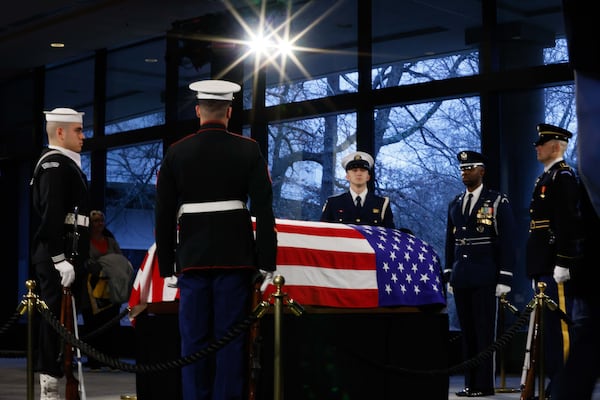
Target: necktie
358 202
467 210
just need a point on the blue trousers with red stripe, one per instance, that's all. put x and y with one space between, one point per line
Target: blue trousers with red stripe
210 304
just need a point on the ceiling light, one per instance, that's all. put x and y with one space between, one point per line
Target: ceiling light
57 45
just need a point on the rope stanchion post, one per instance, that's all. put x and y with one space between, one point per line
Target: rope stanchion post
536 344
278 296
504 305
297 310
28 305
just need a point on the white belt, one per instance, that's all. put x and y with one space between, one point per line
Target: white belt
211 206
82 220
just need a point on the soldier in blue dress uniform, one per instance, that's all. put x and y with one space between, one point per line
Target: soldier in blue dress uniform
358 205
480 256
582 368
204 235
554 239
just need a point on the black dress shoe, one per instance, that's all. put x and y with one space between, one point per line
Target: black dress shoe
480 393
463 393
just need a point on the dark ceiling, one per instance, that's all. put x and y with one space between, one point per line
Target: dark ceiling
411 28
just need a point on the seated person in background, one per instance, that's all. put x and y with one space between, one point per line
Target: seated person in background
358 206
98 309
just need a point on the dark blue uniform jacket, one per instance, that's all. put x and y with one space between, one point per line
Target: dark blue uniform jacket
341 208
480 250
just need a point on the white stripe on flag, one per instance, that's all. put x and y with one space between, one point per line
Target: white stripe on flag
299 275
329 243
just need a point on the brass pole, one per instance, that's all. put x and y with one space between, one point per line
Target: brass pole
28 305
541 378
278 281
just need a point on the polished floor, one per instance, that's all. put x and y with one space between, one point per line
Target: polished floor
111 385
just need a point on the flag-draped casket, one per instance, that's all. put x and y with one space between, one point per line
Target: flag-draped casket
334 265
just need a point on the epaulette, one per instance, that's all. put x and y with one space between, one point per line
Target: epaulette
562 168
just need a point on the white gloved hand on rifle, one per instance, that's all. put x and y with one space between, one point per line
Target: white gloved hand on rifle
67 272
502 289
561 274
267 279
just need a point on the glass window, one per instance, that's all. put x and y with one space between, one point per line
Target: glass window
135 82
416 161
130 194
304 163
559 102
408 73
309 66
72 86
405 32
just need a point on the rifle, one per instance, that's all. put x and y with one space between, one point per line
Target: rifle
67 313
66 318
528 390
254 344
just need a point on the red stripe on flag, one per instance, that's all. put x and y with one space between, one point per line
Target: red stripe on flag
323 258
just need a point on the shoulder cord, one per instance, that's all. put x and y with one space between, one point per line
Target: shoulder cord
495 211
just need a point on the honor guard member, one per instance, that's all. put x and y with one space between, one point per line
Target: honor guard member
480 257
204 235
61 206
554 238
358 205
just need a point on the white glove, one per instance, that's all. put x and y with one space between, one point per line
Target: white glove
267 279
561 274
450 289
67 273
502 289
171 281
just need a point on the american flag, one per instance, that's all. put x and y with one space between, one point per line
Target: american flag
334 265
355 266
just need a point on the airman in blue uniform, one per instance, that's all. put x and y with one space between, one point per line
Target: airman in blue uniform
480 256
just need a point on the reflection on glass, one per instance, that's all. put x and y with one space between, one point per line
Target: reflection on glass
130 193
72 86
135 83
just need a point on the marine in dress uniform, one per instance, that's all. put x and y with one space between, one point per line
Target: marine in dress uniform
372 209
60 202
480 256
204 235
554 239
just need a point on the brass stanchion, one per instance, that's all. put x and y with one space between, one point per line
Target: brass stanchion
504 305
297 310
536 333
27 305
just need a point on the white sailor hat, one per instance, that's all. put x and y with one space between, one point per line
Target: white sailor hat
64 115
214 89
358 159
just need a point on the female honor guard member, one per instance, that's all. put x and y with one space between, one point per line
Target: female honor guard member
204 234
358 205
480 256
61 204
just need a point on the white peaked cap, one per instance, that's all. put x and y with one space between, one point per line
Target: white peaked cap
358 159
64 115
214 89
